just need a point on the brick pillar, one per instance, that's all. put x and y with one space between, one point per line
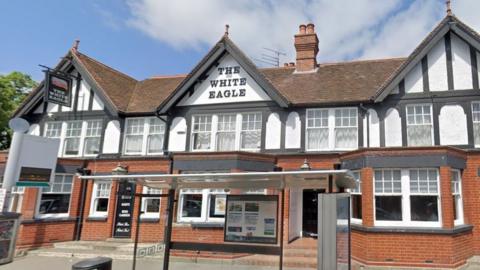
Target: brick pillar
29 203
135 212
366 174
446 197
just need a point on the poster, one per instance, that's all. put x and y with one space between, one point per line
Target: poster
251 219
124 211
6 236
220 203
58 89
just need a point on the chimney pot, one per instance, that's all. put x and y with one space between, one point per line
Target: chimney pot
291 64
310 28
302 29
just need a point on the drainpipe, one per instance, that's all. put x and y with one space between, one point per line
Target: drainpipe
367 114
83 194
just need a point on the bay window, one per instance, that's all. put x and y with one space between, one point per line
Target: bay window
331 129
100 198
226 132
317 129
407 197
144 136
55 199
73 135
53 130
251 131
92 138
356 199
476 122
202 205
419 125
151 205
457 197
202 132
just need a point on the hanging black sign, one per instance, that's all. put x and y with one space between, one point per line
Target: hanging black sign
58 89
124 211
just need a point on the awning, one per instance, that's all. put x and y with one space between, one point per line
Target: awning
240 180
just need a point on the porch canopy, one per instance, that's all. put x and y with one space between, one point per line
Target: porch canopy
239 180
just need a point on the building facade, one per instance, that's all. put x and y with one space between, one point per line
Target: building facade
408 128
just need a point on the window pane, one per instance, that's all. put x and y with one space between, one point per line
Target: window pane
317 138
155 143
226 141
251 130
192 205
133 143
152 205
424 208
217 205
53 130
92 146
388 208
72 146
201 141
54 203
346 137
101 205
357 206
419 135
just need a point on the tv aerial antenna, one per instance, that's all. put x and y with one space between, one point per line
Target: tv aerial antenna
271 57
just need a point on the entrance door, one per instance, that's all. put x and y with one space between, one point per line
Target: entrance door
310 212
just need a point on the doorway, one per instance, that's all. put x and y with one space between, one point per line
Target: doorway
310 212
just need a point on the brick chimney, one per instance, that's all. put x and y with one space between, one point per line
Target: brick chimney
306 45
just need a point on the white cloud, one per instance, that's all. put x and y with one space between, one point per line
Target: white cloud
346 28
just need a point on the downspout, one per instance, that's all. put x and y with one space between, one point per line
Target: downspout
83 194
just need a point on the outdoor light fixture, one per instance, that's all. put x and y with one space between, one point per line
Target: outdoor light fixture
120 170
305 166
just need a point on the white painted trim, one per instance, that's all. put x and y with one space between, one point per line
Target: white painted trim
39 199
93 212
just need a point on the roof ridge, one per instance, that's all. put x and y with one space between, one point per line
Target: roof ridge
106 66
166 76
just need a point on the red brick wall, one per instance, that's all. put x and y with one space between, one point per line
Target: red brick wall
471 197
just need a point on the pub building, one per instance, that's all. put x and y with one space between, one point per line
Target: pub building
407 128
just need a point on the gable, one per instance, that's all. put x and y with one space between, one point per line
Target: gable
445 60
227 82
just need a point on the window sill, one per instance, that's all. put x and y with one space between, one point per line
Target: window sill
149 219
48 220
97 218
422 230
199 224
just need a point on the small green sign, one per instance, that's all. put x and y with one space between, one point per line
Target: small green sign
32 184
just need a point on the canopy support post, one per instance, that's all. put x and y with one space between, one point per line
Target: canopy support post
281 228
168 228
137 233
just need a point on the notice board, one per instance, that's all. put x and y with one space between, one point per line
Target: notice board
251 219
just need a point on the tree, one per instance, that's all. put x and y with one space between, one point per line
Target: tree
14 87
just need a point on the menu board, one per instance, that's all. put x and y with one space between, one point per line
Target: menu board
251 219
6 237
123 215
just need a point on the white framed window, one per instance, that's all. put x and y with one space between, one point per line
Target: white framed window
151 205
356 199
331 129
419 125
202 205
226 132
54 201
92 138
457 197
407 197
317 129
134 136
77 138
476 122
73 136
144 136
251 134
202 132
100 198
346 130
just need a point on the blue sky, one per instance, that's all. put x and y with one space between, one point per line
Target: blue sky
144 38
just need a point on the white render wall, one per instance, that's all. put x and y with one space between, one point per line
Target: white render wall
111 141
393 128
462 71
453 125
414 80
374 128
293 131
437 67
178 135
273 132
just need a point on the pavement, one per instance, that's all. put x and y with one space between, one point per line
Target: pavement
61 263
